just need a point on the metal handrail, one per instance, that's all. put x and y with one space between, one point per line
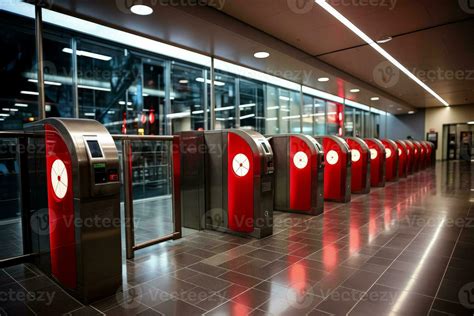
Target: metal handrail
18 134
127 140
144 137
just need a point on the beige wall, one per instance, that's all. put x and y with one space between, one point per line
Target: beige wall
435 119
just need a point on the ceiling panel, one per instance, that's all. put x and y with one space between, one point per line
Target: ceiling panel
428 35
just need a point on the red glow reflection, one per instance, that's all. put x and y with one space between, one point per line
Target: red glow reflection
354 234
329 237
387 217
372 225
298 277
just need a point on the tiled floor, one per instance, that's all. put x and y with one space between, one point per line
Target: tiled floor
407 249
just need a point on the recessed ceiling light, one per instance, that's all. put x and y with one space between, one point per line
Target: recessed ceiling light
141 9
399 109
375 98
184 81
355 90
261 55
411 112
470 123
323 79
385 39
331 10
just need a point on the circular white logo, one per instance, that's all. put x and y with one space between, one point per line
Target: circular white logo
355 155
332 157
388 152
59 179
300 160
399 152
241 165
373 154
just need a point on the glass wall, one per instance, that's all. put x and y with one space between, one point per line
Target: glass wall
314 116
135 91
349 121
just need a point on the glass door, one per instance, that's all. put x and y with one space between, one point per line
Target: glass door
10 211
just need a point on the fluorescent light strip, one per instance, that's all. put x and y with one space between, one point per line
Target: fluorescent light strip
4 115
225 108
21 105
107 33
87 54
326 6
179 115
247 116
51 83
250 105
93 88
254 74
30 92
357 105
322 94
273 108
291 117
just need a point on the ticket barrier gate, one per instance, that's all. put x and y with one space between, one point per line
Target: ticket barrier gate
299 174
227 182
402 159
75 217
432 153
417 156
429 153
392 160
410 156
360 153
337 169
377 162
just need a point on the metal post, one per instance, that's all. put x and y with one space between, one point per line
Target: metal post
128 198
40 63
213 96
301 109
75 92
237 102
206 100
169 123
176 183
